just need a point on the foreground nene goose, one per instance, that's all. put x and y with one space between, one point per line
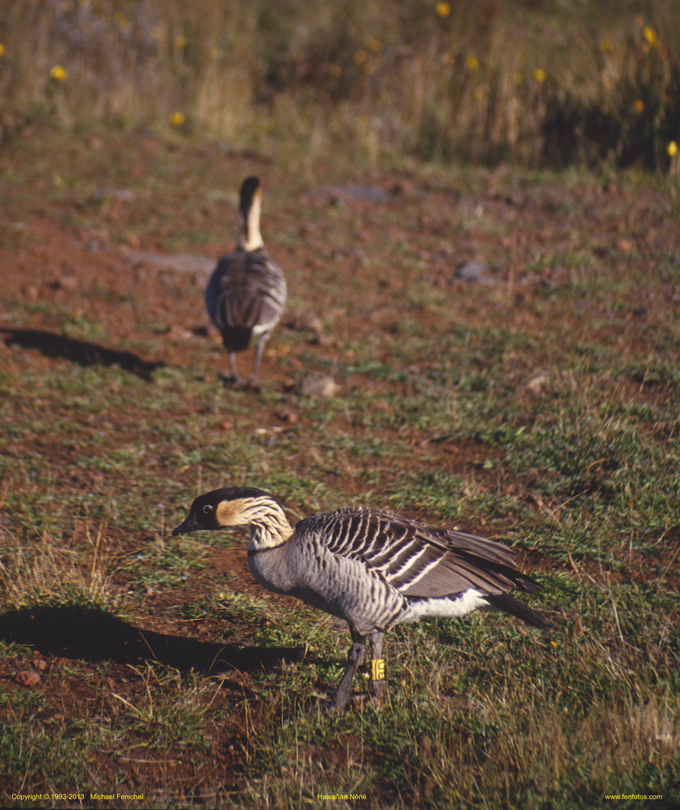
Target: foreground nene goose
374 569
246 293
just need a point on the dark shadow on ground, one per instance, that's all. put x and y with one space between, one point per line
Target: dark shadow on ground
79 351
88 634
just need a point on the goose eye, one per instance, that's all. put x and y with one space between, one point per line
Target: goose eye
207 509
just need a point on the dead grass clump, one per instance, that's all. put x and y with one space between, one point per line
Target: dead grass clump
50 571
602 752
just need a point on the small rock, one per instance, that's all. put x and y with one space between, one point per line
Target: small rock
179 333
314 386
536 384
625 245
27 677
475 273
302 320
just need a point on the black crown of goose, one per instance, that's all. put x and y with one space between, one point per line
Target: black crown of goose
372 568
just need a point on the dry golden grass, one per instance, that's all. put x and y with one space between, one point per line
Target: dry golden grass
52 571
536 84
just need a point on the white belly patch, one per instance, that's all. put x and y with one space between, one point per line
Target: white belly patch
446 606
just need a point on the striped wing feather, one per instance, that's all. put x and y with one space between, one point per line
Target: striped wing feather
419 561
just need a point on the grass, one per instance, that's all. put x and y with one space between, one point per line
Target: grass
539 410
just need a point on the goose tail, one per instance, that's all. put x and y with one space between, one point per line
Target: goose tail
506 603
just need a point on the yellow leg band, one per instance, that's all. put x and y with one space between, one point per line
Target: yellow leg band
378 669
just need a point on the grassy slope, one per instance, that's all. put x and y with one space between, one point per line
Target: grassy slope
539 408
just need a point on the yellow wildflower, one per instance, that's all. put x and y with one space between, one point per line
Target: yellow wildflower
672 149
607 45
442 9
177 119
650 36
375 45
639 105
58 73
540 75
3 50
122 21
472 62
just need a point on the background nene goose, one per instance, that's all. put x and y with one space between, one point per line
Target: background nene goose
372 568
246 293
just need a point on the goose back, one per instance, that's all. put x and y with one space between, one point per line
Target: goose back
418 560
245 296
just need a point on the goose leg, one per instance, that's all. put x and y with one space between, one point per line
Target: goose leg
232 360
354 658
258 356
376 686
239 380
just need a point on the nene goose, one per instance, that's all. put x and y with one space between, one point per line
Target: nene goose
246 293
374 569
